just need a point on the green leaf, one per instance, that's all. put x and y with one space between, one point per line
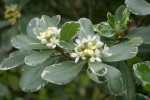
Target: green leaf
144 50
142 32
138 7
62 73
4 23
46 22
37 30
32 24
23 42
122 51
22 23
105 30
68 30
128 80
38 46
3 90
119 11
31 79
105 76
37 57
136 41
86 28
125 19
97 72
56 19
2 55
141 97
15 59
6 37
142 72
111 20
68 45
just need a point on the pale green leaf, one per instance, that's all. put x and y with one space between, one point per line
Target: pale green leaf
122 51
119 11
22 23
105 29
6 38
31 79
128 80
38 46
38 57
97 72
138 7
68 45
46 22
124 19
143 32
23 42
86 28
142 71
136 41
105 76
56 19
62 73
16 58
32 24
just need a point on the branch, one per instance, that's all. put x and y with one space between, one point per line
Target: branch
62 52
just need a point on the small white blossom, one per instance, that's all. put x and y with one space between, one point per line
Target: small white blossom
90 48
74 55
50 37
76 60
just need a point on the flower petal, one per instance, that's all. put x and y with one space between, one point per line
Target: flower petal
49 44
78 41
74 55
77 59
98 59
43 41
92 59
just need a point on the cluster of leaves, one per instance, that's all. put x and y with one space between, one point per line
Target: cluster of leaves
42 64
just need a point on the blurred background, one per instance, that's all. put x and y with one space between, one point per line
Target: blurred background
82 88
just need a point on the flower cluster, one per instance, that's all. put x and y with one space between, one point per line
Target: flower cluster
50 37
90 48
11 13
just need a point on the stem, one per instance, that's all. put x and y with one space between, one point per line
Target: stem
128 81
62 52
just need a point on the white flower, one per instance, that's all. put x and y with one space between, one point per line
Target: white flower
90 48
76 60
105 51
50 37
74 55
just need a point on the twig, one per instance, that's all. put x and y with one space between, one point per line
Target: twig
62 52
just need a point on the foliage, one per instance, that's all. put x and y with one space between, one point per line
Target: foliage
52 52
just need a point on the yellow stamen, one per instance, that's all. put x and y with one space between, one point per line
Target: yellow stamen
94 47
90 52
90 44
11 13
86 51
